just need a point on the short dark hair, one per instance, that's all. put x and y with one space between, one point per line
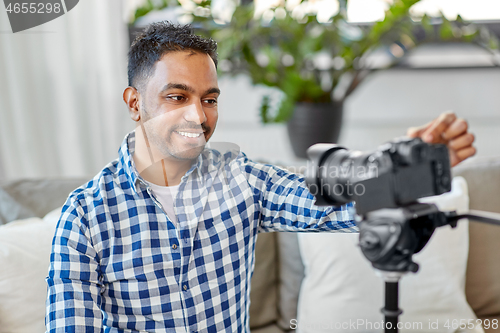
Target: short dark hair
156 40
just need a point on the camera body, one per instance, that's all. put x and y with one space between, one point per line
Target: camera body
396 174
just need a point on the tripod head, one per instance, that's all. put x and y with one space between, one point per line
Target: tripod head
389 237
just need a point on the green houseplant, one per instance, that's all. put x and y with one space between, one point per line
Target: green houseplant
315 62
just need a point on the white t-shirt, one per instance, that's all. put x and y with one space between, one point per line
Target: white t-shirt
166 196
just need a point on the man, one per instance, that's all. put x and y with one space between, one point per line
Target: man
163 238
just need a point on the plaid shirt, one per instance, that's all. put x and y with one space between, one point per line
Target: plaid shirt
118 264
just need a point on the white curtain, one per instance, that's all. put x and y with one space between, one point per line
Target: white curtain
61 84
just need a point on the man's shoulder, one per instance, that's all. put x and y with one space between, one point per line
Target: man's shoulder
108 179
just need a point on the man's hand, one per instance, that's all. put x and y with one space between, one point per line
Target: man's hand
450 130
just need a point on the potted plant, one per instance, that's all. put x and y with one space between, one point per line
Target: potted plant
315 59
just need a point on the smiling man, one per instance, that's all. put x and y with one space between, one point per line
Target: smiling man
163 238
176 109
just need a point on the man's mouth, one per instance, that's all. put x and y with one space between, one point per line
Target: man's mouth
190 134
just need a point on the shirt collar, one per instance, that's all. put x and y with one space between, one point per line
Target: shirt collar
126 152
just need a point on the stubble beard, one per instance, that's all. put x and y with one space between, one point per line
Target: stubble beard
163 140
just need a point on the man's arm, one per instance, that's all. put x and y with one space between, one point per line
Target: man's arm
73 294
286 203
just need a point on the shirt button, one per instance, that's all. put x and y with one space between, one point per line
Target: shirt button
174 246
185 287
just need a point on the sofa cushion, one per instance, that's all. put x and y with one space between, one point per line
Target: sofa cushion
24 257
340 285
268 329
11 210
291 274
483 268
264 290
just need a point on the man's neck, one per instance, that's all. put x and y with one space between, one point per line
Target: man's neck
155 168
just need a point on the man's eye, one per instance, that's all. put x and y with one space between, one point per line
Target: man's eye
176 98
211 101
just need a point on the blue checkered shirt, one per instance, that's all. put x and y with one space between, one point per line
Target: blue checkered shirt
118 264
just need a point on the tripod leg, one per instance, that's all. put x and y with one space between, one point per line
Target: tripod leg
391 310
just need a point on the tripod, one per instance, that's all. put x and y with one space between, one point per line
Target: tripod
389 237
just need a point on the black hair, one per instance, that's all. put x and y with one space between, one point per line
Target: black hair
156 40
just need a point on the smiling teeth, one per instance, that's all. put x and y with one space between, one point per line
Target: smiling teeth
190 135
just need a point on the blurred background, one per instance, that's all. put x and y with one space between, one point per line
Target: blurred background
61 83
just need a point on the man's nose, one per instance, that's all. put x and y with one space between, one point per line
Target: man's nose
194 113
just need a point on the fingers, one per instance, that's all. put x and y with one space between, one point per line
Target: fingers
461 148
449 130
461 142
435 132
456 129
462 154
414 132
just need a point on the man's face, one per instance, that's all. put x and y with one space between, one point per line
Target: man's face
179 105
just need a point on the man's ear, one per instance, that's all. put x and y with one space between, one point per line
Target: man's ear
131 98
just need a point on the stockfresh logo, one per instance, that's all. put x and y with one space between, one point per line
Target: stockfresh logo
28 14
